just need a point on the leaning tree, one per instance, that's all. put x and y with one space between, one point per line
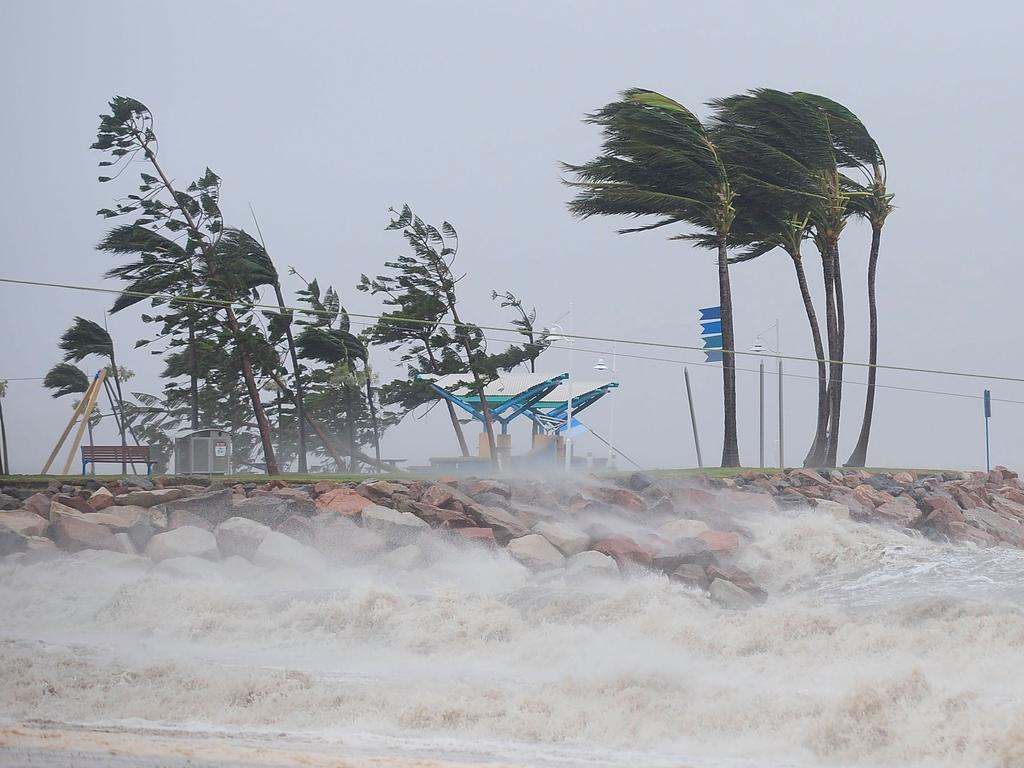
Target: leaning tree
658 159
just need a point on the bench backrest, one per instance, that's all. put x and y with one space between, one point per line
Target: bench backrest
115 453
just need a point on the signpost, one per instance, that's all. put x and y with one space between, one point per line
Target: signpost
711 333
988 415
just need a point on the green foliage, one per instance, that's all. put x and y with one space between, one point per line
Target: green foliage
66 379
85 338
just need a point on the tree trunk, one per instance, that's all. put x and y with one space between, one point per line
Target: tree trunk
5 458
193 361
451 408
831 456
463 336
254 396
730 443
351 427
816 455
830 326
120 408
373 415
300 397
859 456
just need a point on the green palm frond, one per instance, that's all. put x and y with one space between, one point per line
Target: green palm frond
66 379
85 338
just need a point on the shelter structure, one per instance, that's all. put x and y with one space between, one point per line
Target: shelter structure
203 452
542 398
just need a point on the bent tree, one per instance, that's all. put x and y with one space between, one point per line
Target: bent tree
657 159
193 213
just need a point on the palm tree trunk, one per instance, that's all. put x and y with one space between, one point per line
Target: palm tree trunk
831 456
193 360
350 423
5 457
816 454
300 398
730 443
831 330
120 408
373 415
859 456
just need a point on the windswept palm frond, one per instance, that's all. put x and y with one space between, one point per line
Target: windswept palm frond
66 379
85 338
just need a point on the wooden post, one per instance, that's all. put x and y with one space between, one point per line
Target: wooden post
67 429
94 392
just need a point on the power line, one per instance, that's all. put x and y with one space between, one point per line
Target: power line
582 337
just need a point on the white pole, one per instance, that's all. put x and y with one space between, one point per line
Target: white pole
568 412
782 443
611 424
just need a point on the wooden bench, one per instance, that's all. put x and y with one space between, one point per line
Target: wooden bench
117 454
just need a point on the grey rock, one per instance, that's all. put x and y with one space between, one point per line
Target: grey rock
9 502
536 552
215 506
565 538
183 542
691 575
239 536
148 498
11 542
273 510
683 552
728 595
395 527
24 522
190 567
280 551
589 564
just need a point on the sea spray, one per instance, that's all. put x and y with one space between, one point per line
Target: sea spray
875 648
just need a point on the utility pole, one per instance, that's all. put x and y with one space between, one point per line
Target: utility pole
693 417
761 384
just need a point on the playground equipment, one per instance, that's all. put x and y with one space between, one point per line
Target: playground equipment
83 410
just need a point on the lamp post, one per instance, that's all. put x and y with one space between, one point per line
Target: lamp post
602 366
555 333
760 347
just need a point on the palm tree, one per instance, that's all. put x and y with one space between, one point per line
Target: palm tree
657 159
85 338
789 150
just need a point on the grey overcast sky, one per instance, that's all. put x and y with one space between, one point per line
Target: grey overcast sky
323 114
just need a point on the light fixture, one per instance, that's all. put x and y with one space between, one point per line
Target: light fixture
758 347
600 365
554 333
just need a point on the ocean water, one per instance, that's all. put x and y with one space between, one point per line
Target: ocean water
876 648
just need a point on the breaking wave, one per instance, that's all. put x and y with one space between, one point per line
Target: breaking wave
875 648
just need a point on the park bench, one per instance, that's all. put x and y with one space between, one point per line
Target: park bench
116 454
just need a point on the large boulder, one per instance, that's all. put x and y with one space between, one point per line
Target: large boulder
149 498
435 516
39 504
565 538
536 552
938 513
381 491
9 502
832 508
739 577
481 535
396 527
74 501
1004 528
72 532
280 551
589 564
901 512
24 522
273 510
179 518
691 575
101 499
240 536
214 506
342 500
183 542
621 498
438 495
299 528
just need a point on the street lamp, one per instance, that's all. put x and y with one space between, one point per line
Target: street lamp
555 333
760 347
601 365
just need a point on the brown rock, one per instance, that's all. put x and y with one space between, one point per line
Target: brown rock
899 513
505 526
379 491
1002 527
721 542
275 484
1007 507
694 498
39 504
939 512
906 478
438 495
736 576
324 486
101 499
73 533
343 500
624 550
1013 494
618 497
478 486
684 552
805 477
964 532
76 503
436 516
